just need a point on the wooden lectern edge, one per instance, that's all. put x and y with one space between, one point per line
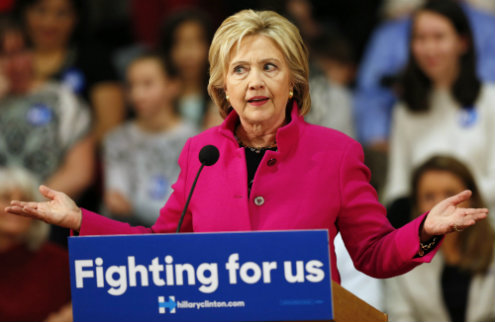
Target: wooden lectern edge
347 307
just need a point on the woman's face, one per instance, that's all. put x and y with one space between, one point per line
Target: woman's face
436 46
190 50
12 226
258 81
50 23
150 89
436 185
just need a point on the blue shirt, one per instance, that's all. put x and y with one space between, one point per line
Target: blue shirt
388 52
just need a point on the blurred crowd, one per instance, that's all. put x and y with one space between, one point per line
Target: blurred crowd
97 99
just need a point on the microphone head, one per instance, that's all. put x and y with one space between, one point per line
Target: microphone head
209 155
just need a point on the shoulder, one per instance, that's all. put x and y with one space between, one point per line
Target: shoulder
209 136
187 129
62 96
326 139
393 28
487 93
121 133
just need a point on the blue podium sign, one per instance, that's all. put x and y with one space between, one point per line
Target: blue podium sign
247 276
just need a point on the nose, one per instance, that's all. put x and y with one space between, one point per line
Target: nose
256 80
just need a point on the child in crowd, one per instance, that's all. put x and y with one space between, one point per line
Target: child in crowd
140 156
459 283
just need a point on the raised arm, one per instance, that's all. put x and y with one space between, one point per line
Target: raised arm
59 210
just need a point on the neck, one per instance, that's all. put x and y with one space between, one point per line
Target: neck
256 135
48 51
165 120
7 243
450 249
48 60
447 79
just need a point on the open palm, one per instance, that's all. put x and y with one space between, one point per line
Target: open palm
446 217
59 210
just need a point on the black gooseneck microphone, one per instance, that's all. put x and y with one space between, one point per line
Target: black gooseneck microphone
207 156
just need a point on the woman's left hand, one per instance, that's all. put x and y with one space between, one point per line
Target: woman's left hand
446 217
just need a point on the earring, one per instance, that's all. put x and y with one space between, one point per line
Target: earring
227 97
291 94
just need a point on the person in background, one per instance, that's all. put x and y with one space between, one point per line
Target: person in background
34 273
444 108
140 156
60 52
184 42
43 126
459 283
331 100
386 55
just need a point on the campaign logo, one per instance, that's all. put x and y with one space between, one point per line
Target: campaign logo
39 114
158 187
468 117
164 305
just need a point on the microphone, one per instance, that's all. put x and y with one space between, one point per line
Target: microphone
207 156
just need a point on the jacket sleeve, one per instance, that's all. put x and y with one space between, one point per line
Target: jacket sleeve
94 224
376 248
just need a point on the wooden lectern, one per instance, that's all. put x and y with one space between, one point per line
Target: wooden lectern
350 308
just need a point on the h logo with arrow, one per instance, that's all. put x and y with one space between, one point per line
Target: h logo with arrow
164 305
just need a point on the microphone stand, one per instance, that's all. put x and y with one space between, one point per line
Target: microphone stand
189 199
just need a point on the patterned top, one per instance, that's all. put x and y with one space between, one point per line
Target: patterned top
143 166
38 129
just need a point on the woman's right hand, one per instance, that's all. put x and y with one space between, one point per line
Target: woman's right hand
59 210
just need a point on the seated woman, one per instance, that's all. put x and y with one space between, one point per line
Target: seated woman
459 283
34 273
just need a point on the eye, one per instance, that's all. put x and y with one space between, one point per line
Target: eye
239 69
269 67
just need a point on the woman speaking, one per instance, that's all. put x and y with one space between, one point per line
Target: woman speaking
275 171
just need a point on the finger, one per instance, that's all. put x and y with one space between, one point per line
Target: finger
33 213
23 203
48 192
16 210
466 212
460 197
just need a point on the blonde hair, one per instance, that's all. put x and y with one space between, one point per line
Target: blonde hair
14 178
272 25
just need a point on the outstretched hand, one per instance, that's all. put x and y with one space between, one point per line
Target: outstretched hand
59 210
446 217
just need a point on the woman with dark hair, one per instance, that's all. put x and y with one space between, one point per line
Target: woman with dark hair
459 283
444 108
61 53
184 42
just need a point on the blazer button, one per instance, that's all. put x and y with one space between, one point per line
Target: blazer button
259 201
271 162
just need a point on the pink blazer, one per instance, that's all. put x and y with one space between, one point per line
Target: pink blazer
316 179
